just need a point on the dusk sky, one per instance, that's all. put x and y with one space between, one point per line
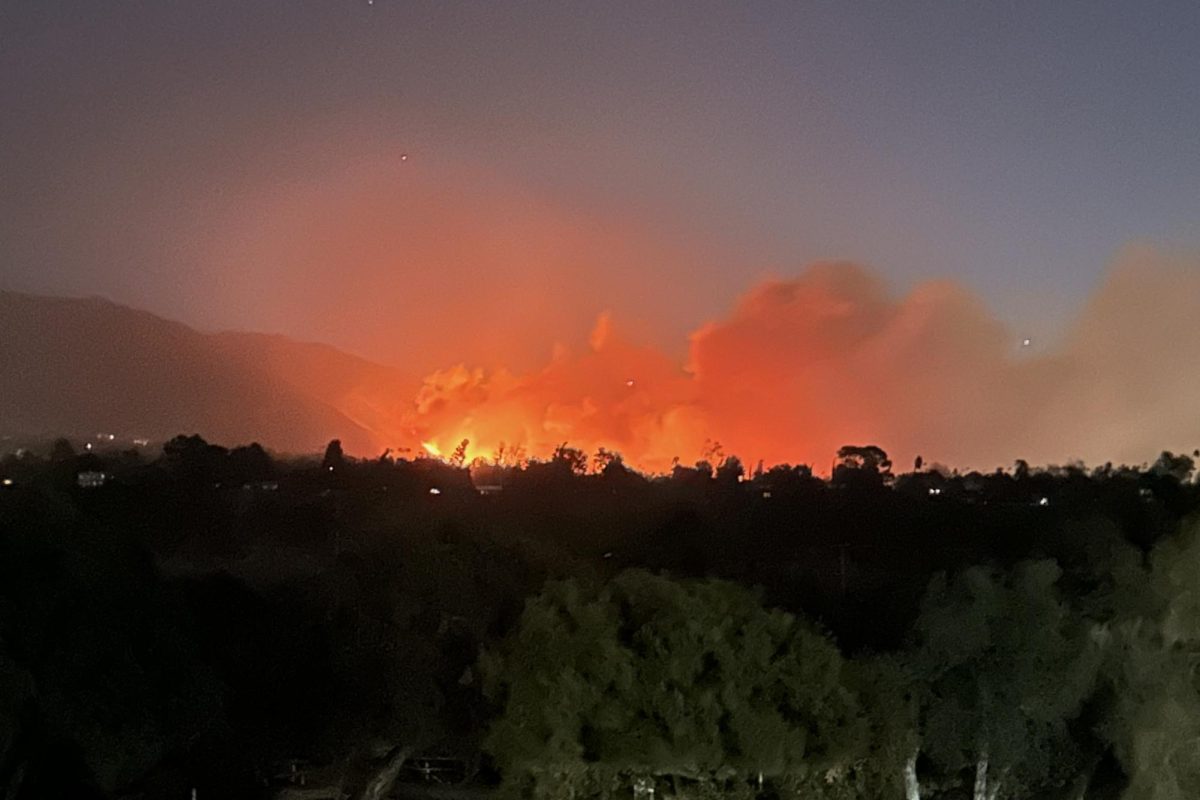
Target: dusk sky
237 165
647 226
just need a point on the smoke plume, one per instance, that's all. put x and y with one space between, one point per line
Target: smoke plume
803 365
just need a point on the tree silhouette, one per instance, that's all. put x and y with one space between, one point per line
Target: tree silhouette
1179 467
194 459
459 456
334 459
575 461
730 471
62 451
250 463
862 466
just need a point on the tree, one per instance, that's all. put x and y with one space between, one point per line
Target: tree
730 471
1154 723
1178 467
888 692
334 459
713 452
509 455
62 451
250 463
862 465
1003 665
194 459
572 459
603 459
651 681
781 476
459 456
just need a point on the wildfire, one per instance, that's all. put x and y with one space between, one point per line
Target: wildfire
803 366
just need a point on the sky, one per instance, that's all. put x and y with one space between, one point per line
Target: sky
428 184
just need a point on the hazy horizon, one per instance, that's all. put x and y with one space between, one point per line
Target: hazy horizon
526 206
804 364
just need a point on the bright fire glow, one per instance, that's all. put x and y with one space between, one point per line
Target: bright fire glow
803 366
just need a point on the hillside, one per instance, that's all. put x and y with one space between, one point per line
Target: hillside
89 365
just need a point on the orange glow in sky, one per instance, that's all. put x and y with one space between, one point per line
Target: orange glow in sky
804 365
457 195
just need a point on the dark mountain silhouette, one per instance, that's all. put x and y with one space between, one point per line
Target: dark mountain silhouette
372 395
89 365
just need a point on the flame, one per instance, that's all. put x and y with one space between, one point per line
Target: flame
612 395
803 366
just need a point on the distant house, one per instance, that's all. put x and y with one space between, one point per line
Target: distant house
489 488
91 479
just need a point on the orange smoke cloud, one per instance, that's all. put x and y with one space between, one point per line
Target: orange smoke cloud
613 394
421 263
804 365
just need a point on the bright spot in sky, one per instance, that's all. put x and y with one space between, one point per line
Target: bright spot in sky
1026 342
404 156
629 382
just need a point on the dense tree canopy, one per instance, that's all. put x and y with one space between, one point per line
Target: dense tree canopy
1002 665
198 619
1155 720
647 678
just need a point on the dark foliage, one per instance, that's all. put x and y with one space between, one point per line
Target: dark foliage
197 619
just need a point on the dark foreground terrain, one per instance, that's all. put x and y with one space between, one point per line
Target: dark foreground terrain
223 622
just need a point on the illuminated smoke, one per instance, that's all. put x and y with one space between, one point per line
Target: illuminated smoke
804 365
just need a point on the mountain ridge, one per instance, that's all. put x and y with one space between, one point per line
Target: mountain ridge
91 364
